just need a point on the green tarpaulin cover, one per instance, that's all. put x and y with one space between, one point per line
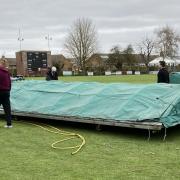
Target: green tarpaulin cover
175 78
115 101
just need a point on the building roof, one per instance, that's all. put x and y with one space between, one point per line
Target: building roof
168 60
33 51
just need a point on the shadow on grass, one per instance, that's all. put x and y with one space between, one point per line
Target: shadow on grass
131 133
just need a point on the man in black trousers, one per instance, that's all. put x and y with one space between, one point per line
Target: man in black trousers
5 87
163 74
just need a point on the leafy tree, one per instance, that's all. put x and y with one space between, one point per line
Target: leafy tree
129 57
115 58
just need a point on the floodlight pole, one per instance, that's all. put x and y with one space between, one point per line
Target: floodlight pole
20 39
48 38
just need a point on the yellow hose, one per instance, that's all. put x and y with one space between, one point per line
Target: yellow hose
61 132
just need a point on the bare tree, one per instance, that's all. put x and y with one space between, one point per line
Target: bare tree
81 41
146 47
167 41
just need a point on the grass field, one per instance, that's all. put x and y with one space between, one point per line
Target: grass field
108 79
110 154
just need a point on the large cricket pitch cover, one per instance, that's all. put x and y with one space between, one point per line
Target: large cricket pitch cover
115 101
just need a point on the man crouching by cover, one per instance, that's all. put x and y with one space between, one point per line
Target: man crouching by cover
5 87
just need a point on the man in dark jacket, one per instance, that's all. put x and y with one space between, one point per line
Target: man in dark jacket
163 74
5 87
52 74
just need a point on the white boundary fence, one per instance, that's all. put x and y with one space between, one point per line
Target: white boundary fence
108 73
153 72
129 72
137 72
90 73
67 73
118 72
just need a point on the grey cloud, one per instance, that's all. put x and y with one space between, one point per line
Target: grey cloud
117 22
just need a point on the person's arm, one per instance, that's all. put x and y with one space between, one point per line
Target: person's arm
9 81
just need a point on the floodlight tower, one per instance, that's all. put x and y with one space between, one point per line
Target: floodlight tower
20 39
48 38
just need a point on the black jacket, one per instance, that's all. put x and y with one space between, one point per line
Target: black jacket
51 76
163 76
54 75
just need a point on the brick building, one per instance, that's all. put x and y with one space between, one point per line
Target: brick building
62 62
97 63
30 63
12 65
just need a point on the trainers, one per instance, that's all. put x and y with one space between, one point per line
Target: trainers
8 126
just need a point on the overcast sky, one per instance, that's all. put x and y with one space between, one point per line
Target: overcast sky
118 22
